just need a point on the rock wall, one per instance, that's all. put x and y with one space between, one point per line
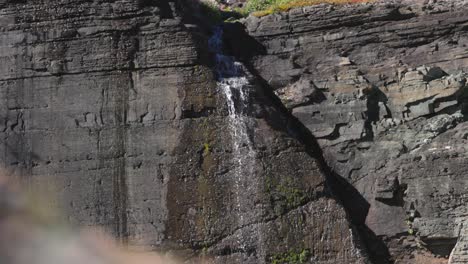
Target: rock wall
91 103
353 122
383 87
113 107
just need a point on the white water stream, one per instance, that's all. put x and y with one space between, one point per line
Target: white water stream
234 85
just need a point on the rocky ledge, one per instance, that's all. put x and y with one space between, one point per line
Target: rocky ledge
383 87
117 108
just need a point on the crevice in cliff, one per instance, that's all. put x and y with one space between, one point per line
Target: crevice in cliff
192 113
335 133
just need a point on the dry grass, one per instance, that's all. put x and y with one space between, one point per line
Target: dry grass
285 5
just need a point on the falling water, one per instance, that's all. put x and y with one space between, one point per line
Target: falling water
234 85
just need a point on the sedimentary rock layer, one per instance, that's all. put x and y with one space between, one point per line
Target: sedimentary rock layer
114 108
382 86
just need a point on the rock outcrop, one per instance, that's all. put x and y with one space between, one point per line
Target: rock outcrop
114 107
383 87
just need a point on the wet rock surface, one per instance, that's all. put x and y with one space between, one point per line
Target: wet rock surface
383 87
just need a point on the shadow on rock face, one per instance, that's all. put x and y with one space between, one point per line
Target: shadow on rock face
245 47
240 44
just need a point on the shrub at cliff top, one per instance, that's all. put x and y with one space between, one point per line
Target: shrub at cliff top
215 12
265 7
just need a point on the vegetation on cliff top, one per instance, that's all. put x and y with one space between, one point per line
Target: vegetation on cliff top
215 11
265 7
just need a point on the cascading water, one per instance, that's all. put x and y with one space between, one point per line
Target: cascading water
234 85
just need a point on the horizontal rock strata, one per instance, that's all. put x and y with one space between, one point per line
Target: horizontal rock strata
113 107
383 88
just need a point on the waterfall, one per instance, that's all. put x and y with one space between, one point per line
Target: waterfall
234 86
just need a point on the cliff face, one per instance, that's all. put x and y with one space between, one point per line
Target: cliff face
119 105
93 99
383 88
340 138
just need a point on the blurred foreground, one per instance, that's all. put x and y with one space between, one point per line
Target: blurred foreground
31 233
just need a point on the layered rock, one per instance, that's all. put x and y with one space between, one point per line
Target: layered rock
91 103
382 86
115 104
118 105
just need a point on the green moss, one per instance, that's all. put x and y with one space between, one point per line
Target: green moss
294 196
259 5
206 149
284 194
409 223
291 257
